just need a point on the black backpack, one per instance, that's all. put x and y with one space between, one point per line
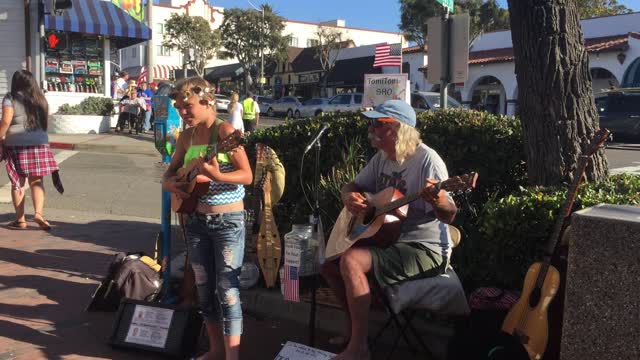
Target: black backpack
130 275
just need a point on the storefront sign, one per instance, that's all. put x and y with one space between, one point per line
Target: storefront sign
135 8
381 87
295 351
309 78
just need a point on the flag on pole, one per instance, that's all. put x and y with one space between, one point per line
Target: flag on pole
289 281
388 55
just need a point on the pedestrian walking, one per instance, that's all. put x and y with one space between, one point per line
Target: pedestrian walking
25 147
251 113
235 112
216 230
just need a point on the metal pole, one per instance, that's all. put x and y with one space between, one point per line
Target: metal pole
444 77
27 33
150 46
43 44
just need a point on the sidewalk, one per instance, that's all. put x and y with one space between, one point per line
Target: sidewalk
46 281
111 142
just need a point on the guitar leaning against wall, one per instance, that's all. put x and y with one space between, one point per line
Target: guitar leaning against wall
527 320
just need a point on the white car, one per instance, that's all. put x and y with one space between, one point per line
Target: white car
311 107
344 102
284 106
222 102
430 101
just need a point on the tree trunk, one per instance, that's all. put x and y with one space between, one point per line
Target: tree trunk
555 98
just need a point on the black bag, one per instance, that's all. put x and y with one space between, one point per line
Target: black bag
130 275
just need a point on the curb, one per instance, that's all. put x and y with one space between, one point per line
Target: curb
61 145
624 147
118 149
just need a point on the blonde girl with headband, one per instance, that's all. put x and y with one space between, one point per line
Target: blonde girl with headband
235 112
216 230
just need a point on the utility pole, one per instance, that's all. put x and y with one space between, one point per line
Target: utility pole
446 45
150 47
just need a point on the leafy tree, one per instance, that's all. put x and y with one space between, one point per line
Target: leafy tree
555 98
594 8
193 35
330 42
245 34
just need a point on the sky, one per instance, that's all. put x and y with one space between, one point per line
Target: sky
369 14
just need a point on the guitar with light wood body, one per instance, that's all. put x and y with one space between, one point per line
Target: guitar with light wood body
527 320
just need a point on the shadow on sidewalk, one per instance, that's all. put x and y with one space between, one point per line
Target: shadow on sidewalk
47 281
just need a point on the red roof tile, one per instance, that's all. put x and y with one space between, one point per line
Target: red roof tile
601 44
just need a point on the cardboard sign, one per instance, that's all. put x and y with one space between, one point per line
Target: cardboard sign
295 351
381 87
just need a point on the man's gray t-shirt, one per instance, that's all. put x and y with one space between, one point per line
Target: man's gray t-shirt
421 225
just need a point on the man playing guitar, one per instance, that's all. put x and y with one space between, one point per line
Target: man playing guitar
424 246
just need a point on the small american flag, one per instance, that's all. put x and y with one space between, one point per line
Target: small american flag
388 55
289 280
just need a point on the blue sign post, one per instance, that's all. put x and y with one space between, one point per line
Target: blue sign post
167 128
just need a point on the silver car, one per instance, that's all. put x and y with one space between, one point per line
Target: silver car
344 102
430 101
311 107
285 105
222 102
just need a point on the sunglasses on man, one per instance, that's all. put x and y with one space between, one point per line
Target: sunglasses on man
380 122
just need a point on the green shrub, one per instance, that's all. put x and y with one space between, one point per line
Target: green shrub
516 227
90 106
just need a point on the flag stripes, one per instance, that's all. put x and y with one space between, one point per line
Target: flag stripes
388 55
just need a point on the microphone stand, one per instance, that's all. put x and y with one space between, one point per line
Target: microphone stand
316 228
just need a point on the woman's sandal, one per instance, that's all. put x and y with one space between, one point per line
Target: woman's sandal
39 219
17 225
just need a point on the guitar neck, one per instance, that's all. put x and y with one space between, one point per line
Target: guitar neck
402 201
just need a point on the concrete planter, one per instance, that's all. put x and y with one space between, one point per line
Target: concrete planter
79 124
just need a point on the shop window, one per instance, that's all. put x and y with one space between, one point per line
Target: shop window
313 42
134 52
163 50
159 28
293 41
74 63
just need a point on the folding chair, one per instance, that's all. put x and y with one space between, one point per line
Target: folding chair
440 296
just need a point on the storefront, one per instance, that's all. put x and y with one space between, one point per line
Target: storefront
76 57
348 75
226 78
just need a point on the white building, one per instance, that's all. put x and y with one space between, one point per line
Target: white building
302 35
613 44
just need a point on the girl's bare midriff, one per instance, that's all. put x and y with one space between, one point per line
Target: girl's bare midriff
219 209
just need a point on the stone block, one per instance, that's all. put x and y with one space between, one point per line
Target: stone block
602 306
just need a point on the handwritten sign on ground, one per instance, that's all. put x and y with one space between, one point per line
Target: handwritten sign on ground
295 351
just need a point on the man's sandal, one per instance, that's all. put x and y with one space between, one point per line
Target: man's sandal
40 220
17 225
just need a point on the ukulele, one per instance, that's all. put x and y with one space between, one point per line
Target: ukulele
527 320
197 184
380 225
269 246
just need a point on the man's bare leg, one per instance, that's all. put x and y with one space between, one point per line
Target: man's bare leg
330 271
354 266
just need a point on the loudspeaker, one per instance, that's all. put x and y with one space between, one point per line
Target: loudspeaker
160 328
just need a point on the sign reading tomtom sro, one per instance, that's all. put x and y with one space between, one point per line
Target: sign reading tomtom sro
381 87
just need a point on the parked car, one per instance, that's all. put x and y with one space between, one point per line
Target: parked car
222 102
311 107
263 101
619 112
430 101
285 105
344 102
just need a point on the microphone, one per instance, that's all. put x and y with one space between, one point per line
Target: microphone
317 138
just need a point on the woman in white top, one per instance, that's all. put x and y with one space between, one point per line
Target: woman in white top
235 113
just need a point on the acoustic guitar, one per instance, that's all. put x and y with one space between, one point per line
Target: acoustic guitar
380 225
269 246
197 184
527 320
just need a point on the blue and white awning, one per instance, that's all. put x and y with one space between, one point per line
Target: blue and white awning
101 18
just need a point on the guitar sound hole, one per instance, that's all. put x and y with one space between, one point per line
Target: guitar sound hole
369 216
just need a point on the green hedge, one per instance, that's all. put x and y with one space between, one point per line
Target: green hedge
516 227
90 106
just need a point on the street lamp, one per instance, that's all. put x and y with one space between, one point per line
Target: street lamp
261 47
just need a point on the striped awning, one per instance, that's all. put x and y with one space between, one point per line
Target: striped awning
100 17
160 72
